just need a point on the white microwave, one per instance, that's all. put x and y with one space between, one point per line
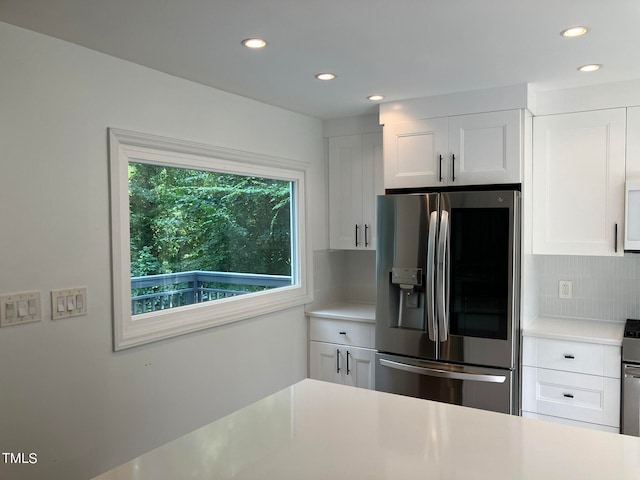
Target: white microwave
632 215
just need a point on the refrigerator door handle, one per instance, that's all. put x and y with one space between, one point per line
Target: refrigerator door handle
443 277
430 286
437 372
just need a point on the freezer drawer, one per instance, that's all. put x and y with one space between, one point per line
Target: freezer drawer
478 387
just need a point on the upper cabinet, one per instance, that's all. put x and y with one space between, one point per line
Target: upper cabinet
633 143
355 178
578 183
484 148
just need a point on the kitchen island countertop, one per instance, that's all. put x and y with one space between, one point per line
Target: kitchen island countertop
318 430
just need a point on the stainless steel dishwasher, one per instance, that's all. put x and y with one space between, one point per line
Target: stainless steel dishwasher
630 408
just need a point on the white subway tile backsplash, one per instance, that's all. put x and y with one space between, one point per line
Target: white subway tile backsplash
344 275
606 288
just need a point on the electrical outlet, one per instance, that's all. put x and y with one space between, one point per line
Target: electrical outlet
565 289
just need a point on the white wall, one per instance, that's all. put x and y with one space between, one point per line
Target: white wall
64 394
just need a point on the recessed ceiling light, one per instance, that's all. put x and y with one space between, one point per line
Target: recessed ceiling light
375 98
590 68
574 32
254 43
325 76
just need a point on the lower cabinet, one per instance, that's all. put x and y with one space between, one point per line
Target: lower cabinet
341 351
344 364
573 383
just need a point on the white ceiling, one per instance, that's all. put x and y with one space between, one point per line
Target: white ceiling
399 48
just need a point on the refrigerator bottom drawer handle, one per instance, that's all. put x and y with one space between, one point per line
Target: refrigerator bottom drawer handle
436 372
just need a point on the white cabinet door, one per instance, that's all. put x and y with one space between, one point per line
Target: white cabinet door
485 148
345 191
355 164
578 183
325 362
360 371
342 364
372 185
633 143
415 153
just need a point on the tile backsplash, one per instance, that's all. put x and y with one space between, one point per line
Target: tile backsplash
604 288
340 275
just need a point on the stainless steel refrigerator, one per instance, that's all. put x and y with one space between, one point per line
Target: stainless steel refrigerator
447 312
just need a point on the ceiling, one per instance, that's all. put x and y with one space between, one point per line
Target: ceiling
399 48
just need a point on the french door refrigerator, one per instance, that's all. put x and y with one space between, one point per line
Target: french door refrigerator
447 311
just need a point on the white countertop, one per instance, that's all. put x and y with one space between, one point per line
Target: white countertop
576 329
318 430
357 312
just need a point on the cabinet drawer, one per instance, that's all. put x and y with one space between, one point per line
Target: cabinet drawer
573 423
585 398
359 334
569 356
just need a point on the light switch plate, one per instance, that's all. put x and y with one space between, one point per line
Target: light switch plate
70 302
19 308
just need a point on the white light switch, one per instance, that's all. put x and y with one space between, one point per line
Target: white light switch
22 308
61 307
70 302
10 309
19 308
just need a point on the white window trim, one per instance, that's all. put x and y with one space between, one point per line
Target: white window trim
126 146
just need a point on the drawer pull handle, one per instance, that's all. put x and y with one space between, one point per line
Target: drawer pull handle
570 357
342 333
567 395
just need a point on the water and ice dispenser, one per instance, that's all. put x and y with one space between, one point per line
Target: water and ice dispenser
407 286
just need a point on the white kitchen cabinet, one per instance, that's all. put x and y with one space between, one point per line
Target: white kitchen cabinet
476 149
355 179
571 382
341 351
343 364
633 143
578 183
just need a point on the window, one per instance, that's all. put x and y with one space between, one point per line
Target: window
201 236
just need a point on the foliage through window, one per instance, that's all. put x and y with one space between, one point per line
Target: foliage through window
189 229
201 236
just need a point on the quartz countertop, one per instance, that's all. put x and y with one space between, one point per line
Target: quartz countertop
317 430
357 312
576 329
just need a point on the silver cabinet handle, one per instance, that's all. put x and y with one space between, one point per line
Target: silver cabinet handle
430 286
443 277
337 360
437 372
348 367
